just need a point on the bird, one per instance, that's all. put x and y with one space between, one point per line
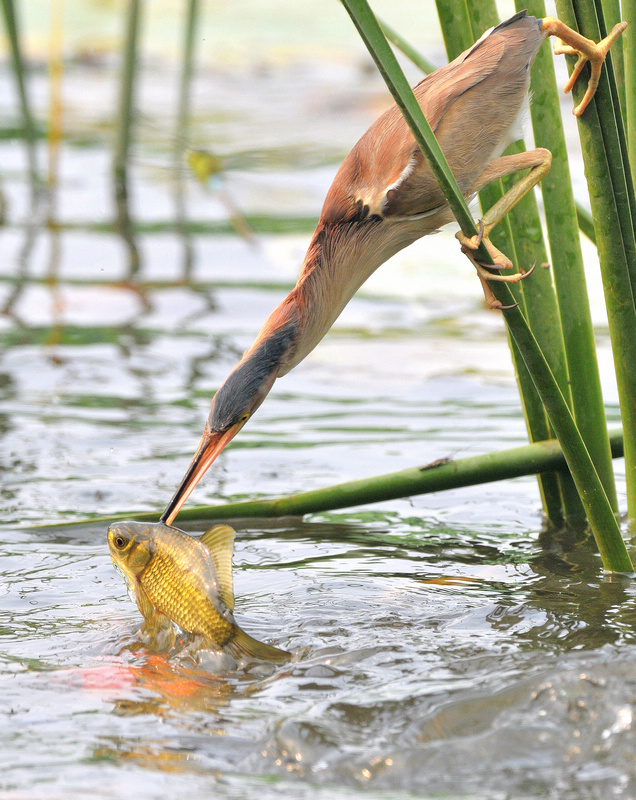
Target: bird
385 196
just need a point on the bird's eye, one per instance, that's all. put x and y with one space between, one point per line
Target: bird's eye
119 542
244 418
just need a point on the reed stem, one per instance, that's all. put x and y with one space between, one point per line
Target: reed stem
519 235
567 266
443 475
612 200
407 49
123 135
182 134
629 51
11 24
611 11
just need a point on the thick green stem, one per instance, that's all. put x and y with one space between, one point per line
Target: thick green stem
597 507
629 51
611 197
442 475
568 268
612 13
519 235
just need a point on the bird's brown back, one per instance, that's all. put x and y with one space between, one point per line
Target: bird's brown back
471 104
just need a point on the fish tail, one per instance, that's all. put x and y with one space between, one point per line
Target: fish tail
243 644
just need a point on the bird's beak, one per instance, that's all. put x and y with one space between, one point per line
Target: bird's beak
211 445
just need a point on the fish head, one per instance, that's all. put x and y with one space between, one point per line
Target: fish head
131 547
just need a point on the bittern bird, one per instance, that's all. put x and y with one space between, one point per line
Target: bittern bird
385 196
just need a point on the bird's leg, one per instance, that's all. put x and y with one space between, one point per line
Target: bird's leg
538 162
569 42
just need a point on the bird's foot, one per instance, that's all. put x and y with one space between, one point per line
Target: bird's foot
484 271
569 42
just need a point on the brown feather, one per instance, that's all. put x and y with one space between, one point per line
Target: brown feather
471 127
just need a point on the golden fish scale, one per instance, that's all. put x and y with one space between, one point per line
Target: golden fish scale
178 580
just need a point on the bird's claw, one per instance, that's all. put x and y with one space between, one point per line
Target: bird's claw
471 242
485 275
518 276
568 42
489 272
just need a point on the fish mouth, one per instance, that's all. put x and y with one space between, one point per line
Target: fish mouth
210 447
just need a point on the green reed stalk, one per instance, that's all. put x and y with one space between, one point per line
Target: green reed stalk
539 298
126 104
568 268
617 130
56 113
611 11
564 329
11 23
520 237
590 18
182 131
611 197
123 135
586 222
183 110
598 509
404 47
456 27
629 51
442 475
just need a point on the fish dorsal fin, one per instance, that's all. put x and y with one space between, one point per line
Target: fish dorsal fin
220 542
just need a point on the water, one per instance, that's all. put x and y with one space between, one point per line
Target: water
444 646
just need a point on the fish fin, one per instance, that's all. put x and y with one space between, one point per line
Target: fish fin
220 542
243 644
147 609
158 633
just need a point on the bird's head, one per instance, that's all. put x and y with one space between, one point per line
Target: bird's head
236 400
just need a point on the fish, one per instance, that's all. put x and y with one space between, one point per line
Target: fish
178 579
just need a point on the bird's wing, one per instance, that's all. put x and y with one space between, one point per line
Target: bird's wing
386 174
473 105
442 98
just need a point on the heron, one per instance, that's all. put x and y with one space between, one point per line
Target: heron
384 197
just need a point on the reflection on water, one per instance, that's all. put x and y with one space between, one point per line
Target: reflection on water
443 646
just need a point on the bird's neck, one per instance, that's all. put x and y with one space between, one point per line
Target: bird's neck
340 258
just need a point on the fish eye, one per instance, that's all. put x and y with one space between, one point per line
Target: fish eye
119 542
